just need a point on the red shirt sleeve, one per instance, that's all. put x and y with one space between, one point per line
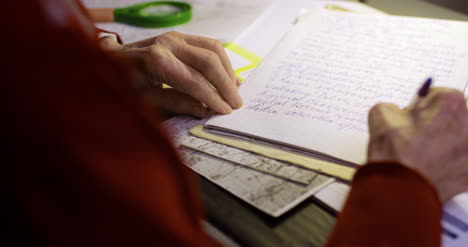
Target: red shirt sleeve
389 205
88 163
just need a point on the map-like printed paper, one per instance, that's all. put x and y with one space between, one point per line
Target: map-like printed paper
273 187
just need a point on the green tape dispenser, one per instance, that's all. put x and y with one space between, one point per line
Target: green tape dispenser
147 14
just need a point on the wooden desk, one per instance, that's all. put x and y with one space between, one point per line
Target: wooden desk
308 224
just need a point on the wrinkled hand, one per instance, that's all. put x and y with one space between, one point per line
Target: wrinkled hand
197 69
430 137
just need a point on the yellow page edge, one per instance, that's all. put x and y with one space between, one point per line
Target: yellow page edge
246 54
320 166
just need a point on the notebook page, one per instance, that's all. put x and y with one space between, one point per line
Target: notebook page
315 88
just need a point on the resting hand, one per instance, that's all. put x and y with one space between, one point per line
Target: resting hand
197 69
431 137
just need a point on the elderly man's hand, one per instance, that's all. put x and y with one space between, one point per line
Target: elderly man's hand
197 69
431 137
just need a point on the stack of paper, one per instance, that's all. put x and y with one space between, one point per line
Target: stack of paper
313 91
271 186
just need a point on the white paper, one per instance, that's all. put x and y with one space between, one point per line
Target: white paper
315 89
267 30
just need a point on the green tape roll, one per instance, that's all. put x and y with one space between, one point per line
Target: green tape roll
154 14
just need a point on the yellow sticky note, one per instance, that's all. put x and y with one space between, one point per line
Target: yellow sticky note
337 8
244 53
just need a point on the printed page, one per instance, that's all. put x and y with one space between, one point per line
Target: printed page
316 87
273 195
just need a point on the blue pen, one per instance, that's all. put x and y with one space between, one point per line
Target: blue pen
422 92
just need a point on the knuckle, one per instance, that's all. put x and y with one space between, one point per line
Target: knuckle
216 44
173 33
168 38
193 87
454 96
441 93
451 100
160 38
382 112
209 58
156 53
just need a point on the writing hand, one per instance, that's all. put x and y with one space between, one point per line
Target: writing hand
430 137
197 69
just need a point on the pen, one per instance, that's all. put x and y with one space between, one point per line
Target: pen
423 91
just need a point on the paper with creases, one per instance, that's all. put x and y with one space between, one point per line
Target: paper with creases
256 162
273 195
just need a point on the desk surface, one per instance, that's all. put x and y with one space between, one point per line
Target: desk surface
305 225
308 224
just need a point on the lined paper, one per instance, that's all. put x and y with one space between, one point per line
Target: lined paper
316 87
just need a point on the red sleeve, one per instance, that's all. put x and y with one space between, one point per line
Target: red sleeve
389 205
97 30
87 163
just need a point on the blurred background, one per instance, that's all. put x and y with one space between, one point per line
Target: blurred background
459 5
446 9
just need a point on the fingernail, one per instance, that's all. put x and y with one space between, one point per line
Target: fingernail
239 81
237 101
226 108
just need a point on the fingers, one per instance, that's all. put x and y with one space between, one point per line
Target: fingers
238 81
450 99
440 103
208 63
171 100
171 70
201 70
217 47
436 96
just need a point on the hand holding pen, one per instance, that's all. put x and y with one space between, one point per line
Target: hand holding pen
429 136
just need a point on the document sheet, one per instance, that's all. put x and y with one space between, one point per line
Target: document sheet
314 90
270 186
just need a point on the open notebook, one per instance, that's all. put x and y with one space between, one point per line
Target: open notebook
314 90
